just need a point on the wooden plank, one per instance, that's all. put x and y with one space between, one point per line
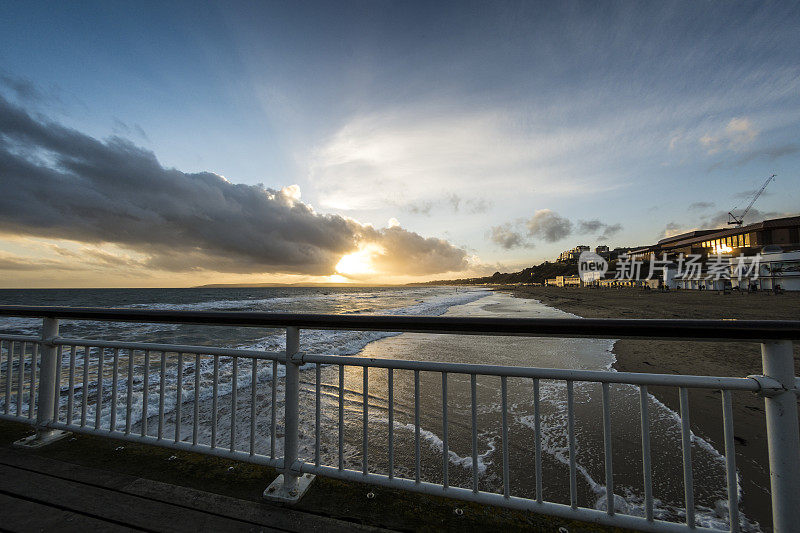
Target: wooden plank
257 512
114 506
23 516
71 471
261 513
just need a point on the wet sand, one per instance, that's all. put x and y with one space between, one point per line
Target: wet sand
709 358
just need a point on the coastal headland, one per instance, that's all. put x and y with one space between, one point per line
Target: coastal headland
737 359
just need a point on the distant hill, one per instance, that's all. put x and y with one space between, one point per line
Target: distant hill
267 285
534 274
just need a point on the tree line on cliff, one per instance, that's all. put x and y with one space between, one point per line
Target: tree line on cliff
534 274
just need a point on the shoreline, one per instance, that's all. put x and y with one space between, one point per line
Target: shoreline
736 359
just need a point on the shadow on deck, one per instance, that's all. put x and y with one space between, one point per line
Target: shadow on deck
87 483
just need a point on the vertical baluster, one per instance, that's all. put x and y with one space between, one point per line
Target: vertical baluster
196 422
21 377
9 373
504 403
365 396
129 395
85 385
648 480
317 415
57 389
234 390
112 426
573 481
537 428
445 436
686 446
273 427
71 391
291 409
341 417
608 456
390 378
214 402
417 457
146 391
98 404
730 461
162 388
32 388
178 398
47 389
474 396
253 383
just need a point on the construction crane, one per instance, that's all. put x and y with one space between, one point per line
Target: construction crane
739 220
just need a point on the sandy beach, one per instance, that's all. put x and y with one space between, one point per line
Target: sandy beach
710 358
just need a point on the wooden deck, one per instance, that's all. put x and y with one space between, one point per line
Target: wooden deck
43 494
97 484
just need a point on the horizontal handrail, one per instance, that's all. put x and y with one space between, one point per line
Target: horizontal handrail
20 338
598 328
595 376
172 348
119 387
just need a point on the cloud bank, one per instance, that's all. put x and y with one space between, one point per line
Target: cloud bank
548 226
60 183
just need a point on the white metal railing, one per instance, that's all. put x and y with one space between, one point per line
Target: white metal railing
34 390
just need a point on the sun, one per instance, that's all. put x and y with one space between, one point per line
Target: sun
359 263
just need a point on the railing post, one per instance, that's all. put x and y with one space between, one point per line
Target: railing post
47 395
290 486
783 436
291 409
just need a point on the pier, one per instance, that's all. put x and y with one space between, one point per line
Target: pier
36 369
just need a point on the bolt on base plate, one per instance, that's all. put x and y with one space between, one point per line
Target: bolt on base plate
42 438
277 492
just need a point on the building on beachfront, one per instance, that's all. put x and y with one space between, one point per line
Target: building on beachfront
564 281
777 270
746 240
613 282
776 240
571 256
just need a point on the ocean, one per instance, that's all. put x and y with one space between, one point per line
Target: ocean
589 354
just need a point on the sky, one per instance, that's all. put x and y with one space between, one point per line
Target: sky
179 144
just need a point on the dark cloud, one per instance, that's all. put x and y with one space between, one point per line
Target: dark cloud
507 237
609 231
671 229
605 231
548 225
700 205
24 89
60 183
589 226
123 129
416 255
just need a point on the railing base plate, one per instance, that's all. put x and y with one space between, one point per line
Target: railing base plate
276 492
41 439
